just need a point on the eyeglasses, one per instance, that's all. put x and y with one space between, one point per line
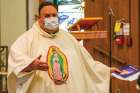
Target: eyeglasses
50 15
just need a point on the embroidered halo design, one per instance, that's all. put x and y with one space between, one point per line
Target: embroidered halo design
58 66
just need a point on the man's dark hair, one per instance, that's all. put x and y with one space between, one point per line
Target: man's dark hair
46 4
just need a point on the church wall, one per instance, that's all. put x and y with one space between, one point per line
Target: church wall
13 20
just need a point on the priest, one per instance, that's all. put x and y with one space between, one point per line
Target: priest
46 59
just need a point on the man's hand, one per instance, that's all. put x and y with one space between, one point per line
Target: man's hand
114 69
36 65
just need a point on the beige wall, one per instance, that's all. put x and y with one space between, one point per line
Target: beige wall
33 10
12 20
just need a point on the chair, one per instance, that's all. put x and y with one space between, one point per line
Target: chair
3 68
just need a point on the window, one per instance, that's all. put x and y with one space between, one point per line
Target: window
69 12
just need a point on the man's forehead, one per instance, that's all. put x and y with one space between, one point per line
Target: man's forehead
48 9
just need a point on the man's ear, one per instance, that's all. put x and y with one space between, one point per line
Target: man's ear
37 17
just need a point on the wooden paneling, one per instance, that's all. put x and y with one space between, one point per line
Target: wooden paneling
134 53
121 87
135 32
128 9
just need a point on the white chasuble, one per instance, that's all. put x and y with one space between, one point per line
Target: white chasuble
71 68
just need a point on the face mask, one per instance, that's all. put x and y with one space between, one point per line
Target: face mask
51 23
